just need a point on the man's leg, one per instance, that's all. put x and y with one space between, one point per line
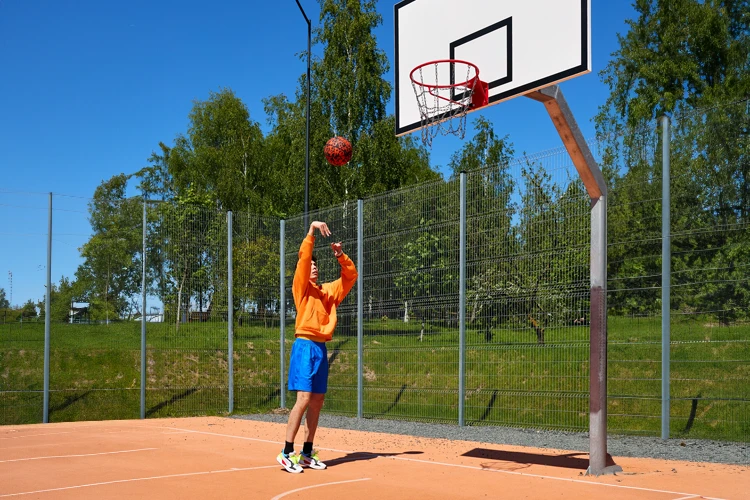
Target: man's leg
313 413
286 458
295 416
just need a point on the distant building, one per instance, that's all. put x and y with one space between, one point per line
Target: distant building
79 312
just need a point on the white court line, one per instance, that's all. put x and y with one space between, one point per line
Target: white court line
515 473
526 474
136 480
687 498
72 456
35 435
277 497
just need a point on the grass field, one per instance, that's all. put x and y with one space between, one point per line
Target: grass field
510 380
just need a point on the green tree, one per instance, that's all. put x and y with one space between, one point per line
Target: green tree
62 296
156 181
29 310
4 304
191 227
490 187
676 52
221 156
689 58
349 93
256 270
353 91
110 276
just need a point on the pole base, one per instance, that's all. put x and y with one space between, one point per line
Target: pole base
607 471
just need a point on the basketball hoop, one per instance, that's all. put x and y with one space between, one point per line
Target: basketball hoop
443 102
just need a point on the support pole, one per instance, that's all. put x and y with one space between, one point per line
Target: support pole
593 180
282 312
307 117
666 277
143 316
230 312
598 341
462 304
360 311
47 315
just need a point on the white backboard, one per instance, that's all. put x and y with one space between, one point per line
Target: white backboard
519 46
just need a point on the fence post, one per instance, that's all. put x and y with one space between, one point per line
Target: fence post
360 311
462 304
47 315
230 312
666 277
282 310
143 316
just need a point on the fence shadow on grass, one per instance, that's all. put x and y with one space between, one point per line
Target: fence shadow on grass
69 400
337 350
487 410
173 399
395 402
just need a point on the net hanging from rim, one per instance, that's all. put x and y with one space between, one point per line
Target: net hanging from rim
446 90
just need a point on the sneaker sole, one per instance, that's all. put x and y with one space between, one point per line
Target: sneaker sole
293 469
318 466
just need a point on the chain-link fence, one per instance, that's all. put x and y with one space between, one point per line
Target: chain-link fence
524 358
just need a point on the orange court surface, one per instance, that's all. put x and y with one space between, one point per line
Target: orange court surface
214 457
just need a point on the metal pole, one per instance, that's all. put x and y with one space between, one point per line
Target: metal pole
462 304
360 311
282 311
47 315
230 312
596 187
143 316
598 340
307 136
666 277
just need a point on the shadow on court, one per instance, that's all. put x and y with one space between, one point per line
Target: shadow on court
365 455
514 460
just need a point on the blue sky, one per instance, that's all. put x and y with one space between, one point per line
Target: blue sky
88 88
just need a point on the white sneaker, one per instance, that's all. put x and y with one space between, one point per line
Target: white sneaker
290 462
311 460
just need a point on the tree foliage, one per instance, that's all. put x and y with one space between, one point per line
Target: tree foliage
687 58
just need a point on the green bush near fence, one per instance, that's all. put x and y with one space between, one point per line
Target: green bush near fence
95 374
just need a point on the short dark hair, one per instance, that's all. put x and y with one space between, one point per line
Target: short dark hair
315 259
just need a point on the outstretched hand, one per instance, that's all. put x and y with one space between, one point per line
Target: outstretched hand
322 227
337 251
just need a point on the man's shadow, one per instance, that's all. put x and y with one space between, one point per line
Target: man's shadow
365 455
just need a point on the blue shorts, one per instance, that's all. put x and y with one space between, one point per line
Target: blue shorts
308 366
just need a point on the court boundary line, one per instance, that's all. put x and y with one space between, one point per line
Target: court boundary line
136 479
75 456
515 473
282 495
35 435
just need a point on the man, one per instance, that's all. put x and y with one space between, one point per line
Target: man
308 364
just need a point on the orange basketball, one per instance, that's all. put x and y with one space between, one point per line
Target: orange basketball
338 151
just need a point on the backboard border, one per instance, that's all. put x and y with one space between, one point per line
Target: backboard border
581 68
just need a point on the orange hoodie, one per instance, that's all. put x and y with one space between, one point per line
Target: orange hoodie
316 304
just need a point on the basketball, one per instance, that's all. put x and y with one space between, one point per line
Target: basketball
338 151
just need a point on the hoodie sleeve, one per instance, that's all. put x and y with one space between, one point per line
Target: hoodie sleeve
341 287
302 273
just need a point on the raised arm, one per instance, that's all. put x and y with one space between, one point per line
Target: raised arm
302 273
341 287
